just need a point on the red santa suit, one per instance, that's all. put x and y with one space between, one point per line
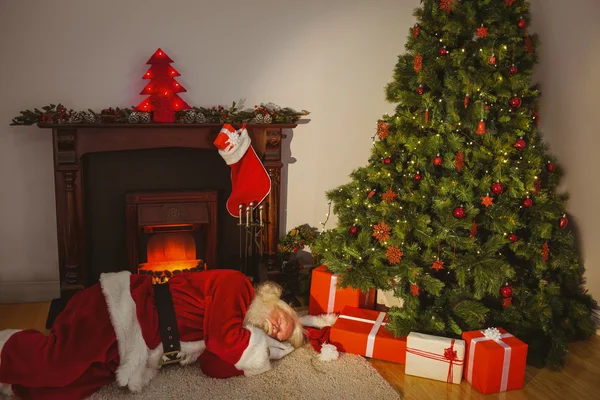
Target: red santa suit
111 330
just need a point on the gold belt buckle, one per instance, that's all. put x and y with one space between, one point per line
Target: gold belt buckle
171 353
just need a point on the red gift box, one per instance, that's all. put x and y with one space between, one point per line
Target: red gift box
326 298
495 360
363 332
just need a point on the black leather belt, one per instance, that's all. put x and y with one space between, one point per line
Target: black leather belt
167 323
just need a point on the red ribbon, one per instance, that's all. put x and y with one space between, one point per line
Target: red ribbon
449 356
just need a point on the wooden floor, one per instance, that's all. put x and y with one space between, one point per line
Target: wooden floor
579 380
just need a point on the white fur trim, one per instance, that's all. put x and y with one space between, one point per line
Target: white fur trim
329 352
234 153
318 321
138 364
5 334
133 351
255 359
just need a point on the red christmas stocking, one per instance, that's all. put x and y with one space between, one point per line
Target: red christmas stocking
250 182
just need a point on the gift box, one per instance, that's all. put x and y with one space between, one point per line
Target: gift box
363 332
435 357
495 361
327 298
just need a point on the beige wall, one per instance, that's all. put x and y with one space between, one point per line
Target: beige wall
332 57
569 73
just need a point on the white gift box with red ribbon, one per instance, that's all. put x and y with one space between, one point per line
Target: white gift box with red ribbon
435 357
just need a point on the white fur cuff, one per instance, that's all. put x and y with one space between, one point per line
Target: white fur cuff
235 153
318 321
255 359
5 334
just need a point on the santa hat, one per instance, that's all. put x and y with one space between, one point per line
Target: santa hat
318 328
250 182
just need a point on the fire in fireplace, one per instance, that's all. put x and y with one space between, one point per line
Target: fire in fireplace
171 232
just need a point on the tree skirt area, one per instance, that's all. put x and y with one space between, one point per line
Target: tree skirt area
300 375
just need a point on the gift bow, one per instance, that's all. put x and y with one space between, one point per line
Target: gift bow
495 335
449 356
377 323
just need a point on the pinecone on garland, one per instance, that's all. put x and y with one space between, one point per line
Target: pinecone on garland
145 117
200 118
89 118
259 119
76 117
189 117
267 119
134 117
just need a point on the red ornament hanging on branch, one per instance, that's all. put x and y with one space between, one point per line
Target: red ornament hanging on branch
420 90
563 222
418 177
353 230
481 128
527 203
416 31
466 101
492 59
513 238
482 31
443 52
497 188
163 89
438 160
522 23
513 69
520 144
550 167
459 212
506 292
515 102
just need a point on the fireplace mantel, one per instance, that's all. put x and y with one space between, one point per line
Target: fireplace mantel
72 141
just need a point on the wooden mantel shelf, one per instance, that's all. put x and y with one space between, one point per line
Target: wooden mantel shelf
72 141
159 125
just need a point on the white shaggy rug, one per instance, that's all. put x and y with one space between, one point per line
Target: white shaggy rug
300 375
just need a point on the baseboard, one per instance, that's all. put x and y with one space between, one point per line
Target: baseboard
28 292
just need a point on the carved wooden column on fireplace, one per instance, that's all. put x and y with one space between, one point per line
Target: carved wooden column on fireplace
71 142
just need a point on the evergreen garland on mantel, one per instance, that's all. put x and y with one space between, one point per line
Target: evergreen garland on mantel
58 114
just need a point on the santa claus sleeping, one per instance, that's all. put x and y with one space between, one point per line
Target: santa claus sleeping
116 330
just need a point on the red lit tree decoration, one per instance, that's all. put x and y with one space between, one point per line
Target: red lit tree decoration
163 89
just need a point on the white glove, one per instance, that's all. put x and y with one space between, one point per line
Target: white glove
277 349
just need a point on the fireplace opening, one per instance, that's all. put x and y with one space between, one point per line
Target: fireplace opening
171 232
169 250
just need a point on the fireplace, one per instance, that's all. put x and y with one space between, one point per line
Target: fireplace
171 232
171 223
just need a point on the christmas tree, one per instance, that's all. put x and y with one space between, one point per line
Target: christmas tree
163 89
457 209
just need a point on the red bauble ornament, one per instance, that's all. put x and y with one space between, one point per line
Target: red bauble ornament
350 269
515 102
459 212
513 238
163 89
418 177
497 188
527 203
492 59
563 222
513 70
506 291
443 52
437 160
387 160
522 23
416 31
550 167
520 144
353 230
420 90
481 128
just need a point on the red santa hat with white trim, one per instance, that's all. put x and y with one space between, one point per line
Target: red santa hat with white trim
250 182
317 329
